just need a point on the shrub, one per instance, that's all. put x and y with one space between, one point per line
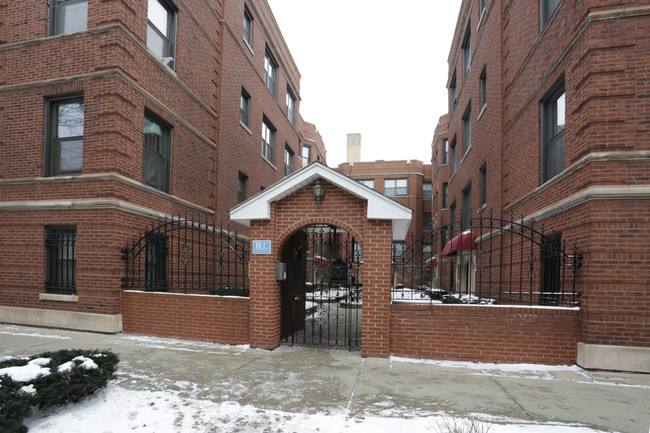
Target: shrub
85 372
14 406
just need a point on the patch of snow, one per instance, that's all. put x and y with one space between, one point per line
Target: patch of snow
19 332
29 389
65 367
26 373
185 345
86 363
119 410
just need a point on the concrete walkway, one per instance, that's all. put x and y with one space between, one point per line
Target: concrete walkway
306 380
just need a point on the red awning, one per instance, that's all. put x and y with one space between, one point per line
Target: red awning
433 261
464 241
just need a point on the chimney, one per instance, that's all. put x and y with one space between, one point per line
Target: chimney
354 147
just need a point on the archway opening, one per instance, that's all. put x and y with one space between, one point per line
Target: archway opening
322 294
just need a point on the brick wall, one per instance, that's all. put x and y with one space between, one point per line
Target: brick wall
193 317
485 334
599 47
240 147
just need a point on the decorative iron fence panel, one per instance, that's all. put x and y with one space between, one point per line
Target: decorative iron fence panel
187 255
485 259
322 296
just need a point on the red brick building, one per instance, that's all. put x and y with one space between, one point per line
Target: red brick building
408 182
114 114
548 119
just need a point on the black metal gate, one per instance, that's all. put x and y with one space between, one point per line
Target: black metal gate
322 296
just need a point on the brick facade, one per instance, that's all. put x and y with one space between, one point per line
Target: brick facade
599 199
110 67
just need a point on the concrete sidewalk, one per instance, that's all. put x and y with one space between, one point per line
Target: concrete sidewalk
302 380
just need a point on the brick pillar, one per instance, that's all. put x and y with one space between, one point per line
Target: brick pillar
375 331
265 301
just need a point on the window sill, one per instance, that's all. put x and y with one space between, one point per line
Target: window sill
245 127
58 298
480 20
269 163
481 113
466 153
248 46
160 62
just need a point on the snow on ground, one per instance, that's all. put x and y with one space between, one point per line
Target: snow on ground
115 409
15 330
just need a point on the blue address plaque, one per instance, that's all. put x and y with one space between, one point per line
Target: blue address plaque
261 247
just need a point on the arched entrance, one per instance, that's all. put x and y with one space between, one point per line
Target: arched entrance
322 294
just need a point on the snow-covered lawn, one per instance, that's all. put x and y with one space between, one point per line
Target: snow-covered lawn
116 409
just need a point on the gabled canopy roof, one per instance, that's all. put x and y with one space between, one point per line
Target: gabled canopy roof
380 207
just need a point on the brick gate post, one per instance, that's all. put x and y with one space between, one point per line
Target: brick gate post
265 301
375 329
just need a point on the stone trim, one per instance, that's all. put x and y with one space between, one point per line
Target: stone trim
623 358
106 323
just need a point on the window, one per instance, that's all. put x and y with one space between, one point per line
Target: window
551 269
445 151
452 169
61 260
467 129
156 158
466 213
452 216
435 203
288 160
452 95
435 161
65 136
426 191
68 16
427 222
395 187
370 183
483 89
161 30
483 176
242 188
155 264
356 251
547 7
270 72
306 155
399 248
268 141
248 27
291 107
481 7
445 195
467 52
245 108
553 109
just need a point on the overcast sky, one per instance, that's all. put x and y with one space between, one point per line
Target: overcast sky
375 67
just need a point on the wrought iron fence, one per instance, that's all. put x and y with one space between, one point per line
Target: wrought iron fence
486 258
187 255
